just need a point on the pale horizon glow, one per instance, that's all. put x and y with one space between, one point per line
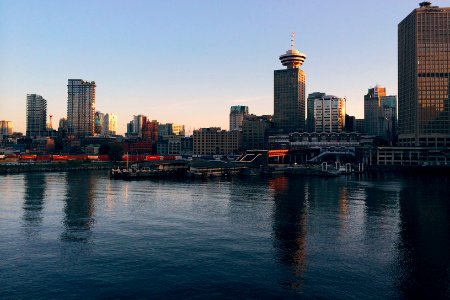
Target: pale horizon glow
189 62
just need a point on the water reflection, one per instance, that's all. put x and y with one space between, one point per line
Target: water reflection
424 262
79 207
33 202
289 227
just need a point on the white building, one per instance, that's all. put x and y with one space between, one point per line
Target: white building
329 114
109 124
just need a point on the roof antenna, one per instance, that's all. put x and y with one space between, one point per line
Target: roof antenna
292 40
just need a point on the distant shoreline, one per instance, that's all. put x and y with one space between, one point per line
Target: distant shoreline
54 167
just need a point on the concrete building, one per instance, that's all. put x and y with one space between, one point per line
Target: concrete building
254 131
423 77
36 116
380 113
109 126
289 92
329 114
215 141
81 107
310 123
237 114
171 129
169 145
150 130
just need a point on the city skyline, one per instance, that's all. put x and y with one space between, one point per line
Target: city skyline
136 75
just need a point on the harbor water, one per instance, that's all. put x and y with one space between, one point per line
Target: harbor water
73 235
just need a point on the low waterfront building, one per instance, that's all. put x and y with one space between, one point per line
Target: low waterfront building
215 141
187 145
412 156
314 139
169 145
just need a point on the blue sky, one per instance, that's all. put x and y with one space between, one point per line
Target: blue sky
189 61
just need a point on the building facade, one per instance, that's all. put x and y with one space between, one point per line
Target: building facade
36 116
254 131
215 141
237 114
98 122
380 113
329 114
310 123
289 92
423 77
109 126
138 123
6 128
81 107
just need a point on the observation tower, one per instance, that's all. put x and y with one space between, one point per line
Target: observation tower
293 58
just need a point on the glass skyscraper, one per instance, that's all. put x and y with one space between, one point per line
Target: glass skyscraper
81 107
237 114
423 77
36 115
289 92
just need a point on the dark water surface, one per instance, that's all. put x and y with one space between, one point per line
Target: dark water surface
82 235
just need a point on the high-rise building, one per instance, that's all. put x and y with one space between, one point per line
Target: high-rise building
254 131
138 122
372 104
237 114
310 123
6 128
380 113
289 92
109 126
81 107
150 130
36 116
329 114
98 122
423 77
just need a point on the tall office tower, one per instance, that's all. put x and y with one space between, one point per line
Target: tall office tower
310 123
6 128
36 116
237 114
289 92
98 122
423 77
329 114
388 121
138 121
80 107
372 104
109 125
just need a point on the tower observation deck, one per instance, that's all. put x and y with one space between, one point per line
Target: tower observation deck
293 58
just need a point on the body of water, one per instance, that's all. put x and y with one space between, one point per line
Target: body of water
81 235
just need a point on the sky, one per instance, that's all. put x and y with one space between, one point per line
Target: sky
187 62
